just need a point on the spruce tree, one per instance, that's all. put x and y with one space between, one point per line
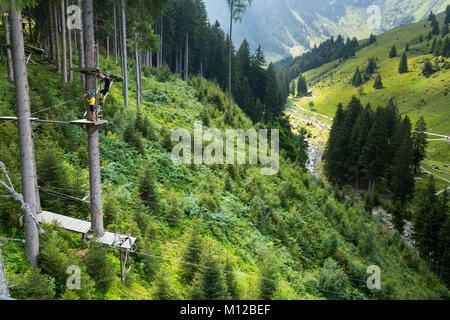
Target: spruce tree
267 283
447 14
302 88
357 78
403 174
357 141
445 30
433 46
393 52
398 215
419 143
378 84
192 254
403 67
435 27
375 154
407 47
148 191
428 69
209 283
334 154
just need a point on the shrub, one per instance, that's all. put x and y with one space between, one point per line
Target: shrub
99 267
34 285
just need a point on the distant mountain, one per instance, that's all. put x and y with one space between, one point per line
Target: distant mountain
291 27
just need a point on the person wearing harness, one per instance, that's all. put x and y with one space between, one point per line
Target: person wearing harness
105 78
90 99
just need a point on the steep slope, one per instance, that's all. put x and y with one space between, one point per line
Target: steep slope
315 242
291 27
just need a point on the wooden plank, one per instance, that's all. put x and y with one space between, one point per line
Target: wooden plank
87 122
80 226
97 72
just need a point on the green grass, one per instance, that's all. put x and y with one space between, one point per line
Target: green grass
414 94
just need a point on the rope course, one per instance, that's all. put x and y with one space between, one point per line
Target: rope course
40 111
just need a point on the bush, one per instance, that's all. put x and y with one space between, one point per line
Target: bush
34 285
331 277
99 267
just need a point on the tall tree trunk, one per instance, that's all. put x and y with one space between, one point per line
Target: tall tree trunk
230 53
115 35
138 90
27 163
161 57
107 48
58 56
52 32
69 40
151 59
93 131
186 59
124 56
8 48
4 291
81 63
64 43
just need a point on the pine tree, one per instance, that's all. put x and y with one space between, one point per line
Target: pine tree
435 27
419 143
334 154
209 283
357 141
372 65
403 67
378 84
438 47
148 191
403 174
372 39
267 283
393 52
398 215
192 255
428 69
231 281
302 88
447 14
429 221
407 47
445 30
357 79
375 155
164 289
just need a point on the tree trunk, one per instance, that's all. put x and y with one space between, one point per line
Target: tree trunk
230 52
27 163
52 32
161 58
8 48
115 35
64 43
151 59
81 63
58 56
69 41
107 48
3 283
138 90
93 132
124 56
186 59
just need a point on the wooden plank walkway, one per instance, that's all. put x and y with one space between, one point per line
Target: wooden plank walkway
110 239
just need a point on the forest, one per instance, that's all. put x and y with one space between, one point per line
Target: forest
201 232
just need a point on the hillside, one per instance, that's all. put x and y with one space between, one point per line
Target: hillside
413 93
315 242
291 27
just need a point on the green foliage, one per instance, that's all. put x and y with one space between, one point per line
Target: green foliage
378 84
164 287
34 285
403 66
148 191
332 277
302 89
209 283
99 267
393 52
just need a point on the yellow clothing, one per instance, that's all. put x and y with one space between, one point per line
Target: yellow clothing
92 101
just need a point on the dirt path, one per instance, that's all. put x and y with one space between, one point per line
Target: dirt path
314 113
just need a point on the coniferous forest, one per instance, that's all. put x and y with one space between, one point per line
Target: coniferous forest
99 101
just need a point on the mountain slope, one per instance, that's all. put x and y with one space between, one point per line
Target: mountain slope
414 94
291 27
317 243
